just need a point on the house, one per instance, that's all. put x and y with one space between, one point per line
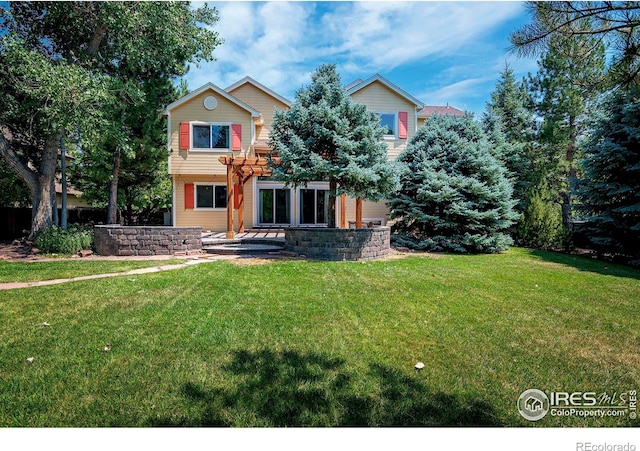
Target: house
217 141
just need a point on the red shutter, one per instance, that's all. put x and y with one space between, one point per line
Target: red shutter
236 137
185 136
236 196
188 196
403 119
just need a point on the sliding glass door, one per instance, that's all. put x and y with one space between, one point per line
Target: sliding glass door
313 206
274 206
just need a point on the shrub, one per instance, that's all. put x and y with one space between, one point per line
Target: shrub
540 224
55 240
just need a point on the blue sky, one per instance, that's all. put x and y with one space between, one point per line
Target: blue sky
440 52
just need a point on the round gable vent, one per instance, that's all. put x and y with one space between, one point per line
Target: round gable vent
210 103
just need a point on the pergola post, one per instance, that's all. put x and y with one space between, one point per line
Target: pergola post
240 205
343 211
359 213
230 233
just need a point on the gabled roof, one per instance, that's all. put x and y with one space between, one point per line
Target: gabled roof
429 111
353 84
355 87
260 86
217 90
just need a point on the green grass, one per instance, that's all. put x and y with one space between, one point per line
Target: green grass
295 343
65 269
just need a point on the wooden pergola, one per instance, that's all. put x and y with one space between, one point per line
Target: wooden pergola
243 168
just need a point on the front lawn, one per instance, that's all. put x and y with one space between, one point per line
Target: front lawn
65 269
296 343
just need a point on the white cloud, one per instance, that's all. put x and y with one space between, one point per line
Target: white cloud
281 43
456 94
389 34
263 40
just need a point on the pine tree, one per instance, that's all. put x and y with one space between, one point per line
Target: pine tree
509 124
610 187
454 194
563 97
325 136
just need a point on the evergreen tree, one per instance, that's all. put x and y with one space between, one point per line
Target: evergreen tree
614 23
563 97
610 187
454 195
509 124
325 136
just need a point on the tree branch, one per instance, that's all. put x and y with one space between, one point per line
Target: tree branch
22 170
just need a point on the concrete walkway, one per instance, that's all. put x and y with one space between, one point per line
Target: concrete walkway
15 285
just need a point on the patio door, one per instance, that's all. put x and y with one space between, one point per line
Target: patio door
274 206
313 206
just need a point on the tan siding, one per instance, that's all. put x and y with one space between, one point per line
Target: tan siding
199 162
212 220
261 101
370 210
377 97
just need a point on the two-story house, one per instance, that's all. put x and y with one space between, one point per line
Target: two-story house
217 140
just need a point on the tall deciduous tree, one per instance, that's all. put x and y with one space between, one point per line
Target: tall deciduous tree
325 136
454 194
41 98
125 43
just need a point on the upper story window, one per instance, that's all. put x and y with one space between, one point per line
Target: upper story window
389 123
211 136
396 125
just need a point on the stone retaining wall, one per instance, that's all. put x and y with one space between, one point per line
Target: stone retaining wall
339 244
147 240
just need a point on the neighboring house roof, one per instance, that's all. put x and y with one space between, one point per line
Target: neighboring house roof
259 85
70 189
219 91
355 87
429 111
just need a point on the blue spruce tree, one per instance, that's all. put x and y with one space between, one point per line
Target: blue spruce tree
454 194
325 136
610 186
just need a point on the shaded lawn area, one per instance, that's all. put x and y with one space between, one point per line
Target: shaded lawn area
295 343
64 269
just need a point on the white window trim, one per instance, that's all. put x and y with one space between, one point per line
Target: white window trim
266 184
208 149
195 197
315 186
394 136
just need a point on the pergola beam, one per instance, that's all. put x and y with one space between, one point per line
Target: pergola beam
243 168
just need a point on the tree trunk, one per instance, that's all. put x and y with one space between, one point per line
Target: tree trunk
112 209
331 208
42 213
567 198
